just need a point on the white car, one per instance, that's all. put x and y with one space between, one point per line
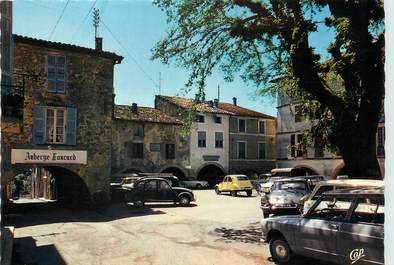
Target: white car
195 184
336 184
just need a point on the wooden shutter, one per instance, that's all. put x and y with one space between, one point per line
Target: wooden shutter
39 125
71 126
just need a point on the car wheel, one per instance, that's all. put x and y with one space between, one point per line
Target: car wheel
138 203
280 251
198 186
217 190
184 201
233 193
249 193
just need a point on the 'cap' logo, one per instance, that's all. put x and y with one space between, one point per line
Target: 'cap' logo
356 255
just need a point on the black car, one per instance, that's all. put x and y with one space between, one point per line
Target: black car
157 190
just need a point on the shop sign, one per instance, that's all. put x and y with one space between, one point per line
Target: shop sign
34 156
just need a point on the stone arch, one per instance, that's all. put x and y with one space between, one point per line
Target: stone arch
304 170
176 171
211 172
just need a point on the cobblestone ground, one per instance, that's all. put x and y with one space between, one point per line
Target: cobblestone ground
217 229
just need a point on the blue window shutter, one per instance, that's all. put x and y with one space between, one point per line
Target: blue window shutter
71 129
39 125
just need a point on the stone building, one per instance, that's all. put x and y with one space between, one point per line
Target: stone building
64 132
209 135
252 140
312 159
148 140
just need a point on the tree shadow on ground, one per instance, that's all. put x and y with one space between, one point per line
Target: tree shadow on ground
29 214
250 234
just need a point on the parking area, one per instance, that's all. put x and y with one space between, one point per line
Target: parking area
217 229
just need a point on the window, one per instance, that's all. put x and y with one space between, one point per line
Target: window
262 127
137 150
218 119
241 150
298 114
56 73
332 209
170 151
262 151
380 145
297 147
202 139
200 118
369 210
218 139
55 126
241 125
139 130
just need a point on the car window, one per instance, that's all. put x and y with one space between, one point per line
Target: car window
140 185
331 208
163 185
229 179
151 185
369 210
321 190
242 178
281 185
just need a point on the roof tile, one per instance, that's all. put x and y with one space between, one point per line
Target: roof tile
144 114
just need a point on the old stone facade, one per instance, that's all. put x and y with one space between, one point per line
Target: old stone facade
252 137
148 140
67 105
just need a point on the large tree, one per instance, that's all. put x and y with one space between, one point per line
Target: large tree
267 43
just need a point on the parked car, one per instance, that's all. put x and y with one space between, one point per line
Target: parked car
323 186
194 184
285 196
266 186
157 190
313 180
234 184
342 226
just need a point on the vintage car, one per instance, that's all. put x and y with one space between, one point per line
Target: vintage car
234 184
343 226
157 190
285 196
323 186
194 184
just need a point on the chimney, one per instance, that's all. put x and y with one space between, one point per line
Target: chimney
210 103
99 44
216 102
134 108
234 101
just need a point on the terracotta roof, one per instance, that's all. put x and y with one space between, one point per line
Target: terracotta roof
240 111
67 47
190 103
144 114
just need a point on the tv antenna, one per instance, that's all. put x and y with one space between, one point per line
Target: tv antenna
96 20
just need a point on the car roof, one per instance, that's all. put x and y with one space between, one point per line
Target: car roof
352 182
281 170
356 191
234 176
291 179
155 178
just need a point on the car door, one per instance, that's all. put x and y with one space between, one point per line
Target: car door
165 192
319 228
151 192
362 237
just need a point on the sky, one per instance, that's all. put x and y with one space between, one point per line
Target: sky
131 29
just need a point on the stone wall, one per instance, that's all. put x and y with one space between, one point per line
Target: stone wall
153 160
89 89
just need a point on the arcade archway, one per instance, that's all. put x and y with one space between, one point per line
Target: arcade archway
176 172
211 173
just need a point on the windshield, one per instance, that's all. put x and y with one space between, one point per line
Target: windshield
287 185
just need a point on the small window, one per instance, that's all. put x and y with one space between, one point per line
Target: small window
139 130
56 73
298 114
218 140
202 139
262 127
218 119
262 151
137 150
241 150
297 146
241 125
380 145
55 126
170 151
200 118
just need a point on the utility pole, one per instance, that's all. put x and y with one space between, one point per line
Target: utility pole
159 83
96 20
218 93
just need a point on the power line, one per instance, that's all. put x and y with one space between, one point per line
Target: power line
84 20
129 54
58 20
